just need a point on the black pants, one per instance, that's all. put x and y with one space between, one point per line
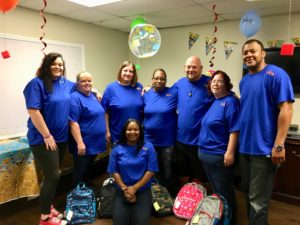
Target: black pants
82 165
48 161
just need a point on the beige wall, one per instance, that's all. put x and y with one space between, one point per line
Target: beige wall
174 49
105 49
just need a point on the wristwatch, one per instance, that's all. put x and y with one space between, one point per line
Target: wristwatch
279 147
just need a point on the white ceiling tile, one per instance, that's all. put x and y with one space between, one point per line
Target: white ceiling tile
53 6
162 13
89 15
118 24
142 7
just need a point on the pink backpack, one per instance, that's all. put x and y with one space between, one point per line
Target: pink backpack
187 200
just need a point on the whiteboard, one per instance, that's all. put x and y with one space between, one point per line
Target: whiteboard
16 71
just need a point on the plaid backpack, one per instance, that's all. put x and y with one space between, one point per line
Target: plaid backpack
81 205
162 200
208 212
187 200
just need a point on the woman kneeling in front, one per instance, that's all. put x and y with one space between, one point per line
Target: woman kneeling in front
132 163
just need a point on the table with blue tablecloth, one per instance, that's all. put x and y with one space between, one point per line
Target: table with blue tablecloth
18 175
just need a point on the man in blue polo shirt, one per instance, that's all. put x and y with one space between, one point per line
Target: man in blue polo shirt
266 112
193 102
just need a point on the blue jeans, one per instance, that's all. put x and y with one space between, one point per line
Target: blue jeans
221 178
138 213
164 156
258 174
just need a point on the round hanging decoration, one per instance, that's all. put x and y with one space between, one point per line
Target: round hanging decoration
144 40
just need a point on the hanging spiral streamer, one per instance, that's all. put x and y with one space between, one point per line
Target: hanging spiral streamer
211 64
42 26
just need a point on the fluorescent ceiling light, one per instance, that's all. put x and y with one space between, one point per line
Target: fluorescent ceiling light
93 3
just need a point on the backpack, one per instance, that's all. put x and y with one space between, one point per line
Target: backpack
187 200
81 205
208 212
104 198
226 211
162 200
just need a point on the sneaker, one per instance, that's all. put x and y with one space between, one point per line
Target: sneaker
53 221
56 213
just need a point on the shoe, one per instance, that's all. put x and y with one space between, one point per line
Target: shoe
53 221
56 213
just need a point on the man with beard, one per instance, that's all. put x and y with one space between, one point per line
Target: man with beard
266 112
193 102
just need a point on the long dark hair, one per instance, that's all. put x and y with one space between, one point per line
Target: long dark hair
140 142
44 71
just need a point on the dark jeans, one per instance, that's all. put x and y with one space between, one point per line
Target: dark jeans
258 174
82 164
188 163
221 178
164 155
48 161
138 213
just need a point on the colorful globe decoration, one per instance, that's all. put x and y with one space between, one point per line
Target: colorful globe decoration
144 40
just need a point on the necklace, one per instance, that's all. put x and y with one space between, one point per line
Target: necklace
192 90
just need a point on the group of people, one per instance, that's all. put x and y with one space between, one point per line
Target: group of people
199 123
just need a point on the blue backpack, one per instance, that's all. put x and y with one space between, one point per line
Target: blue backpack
226 211
81 205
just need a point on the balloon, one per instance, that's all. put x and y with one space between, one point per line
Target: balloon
137 21
250 24
6 5
137 66
210 72
144 40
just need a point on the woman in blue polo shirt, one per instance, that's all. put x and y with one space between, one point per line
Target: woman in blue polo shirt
122 100
132 163
160 123
219 137
87 125
48 102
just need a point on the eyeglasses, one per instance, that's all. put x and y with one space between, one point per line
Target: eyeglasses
217 82
159 78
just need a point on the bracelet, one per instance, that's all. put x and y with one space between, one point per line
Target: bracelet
47 136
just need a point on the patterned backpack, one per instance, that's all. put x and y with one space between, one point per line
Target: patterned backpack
81 205
187 200
162 200
209 211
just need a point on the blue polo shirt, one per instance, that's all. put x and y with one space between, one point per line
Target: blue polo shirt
193 102
54 107
160 116
88 112
260 95
121 103
220 120
132 166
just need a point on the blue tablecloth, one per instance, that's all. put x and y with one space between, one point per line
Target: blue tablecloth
18 175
